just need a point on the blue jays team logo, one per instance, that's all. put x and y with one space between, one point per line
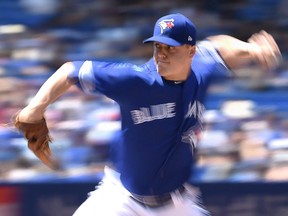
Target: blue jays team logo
164 24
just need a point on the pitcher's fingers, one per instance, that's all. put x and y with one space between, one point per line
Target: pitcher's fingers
269 43
269 55
272 43
273 54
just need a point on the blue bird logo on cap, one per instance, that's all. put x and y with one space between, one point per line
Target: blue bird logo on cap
174 30
164 24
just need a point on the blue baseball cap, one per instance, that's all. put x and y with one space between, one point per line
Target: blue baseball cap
174 30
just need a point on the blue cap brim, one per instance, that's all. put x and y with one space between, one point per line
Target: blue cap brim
164 40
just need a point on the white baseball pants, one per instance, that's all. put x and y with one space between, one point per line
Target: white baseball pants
111 199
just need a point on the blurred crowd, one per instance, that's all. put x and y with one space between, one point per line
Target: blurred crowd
246 135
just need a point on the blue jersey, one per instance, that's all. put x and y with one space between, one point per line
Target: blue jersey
159 117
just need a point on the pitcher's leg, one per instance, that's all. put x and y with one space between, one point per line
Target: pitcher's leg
109 199
105 201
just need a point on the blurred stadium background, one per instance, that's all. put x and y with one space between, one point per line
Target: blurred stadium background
242 167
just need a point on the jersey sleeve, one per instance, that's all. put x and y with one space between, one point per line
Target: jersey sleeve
109 78
208 62
83 75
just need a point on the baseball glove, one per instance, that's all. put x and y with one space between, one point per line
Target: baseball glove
38 138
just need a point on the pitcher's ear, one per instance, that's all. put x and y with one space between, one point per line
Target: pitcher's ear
192 50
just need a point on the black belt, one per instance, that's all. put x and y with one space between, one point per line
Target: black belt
155 201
